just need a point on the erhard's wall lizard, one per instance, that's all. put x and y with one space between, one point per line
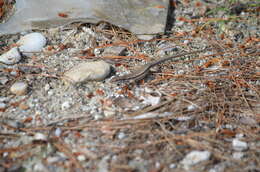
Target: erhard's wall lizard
141 72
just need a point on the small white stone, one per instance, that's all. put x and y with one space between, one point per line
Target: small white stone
239 135
81 158
31 43
151 100
98 116
65 105
186 42
98 70
157 164
40 136
5 154
14 73
239 145
195 157
19 88
2 105
53 159
58 132
121 135
39 167
50 92
238 155
191 107
47 87
172 165
109 113
11 57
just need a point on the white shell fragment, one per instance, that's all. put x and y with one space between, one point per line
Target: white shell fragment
11 57
98 70
19 88
31 43
194 158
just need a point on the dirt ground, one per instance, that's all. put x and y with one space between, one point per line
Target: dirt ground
207 102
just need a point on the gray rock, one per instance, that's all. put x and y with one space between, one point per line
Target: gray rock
194 158
19 88
87 71
114 51
139 17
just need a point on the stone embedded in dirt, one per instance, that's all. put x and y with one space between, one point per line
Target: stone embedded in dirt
31 43
247 120
19 88
194 158
12 56
114 51
88 71
239 145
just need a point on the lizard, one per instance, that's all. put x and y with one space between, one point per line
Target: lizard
142 71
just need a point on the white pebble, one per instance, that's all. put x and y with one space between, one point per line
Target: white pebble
50 92
65 105
172 165
14 73
191 107
12 56
2 105
58 132
81 158
121 135
239 145
39 167
31 43
98 70
109 113
19 88
195 157
151 100
40 136
5 154
239 135
47 87
53 159
238 155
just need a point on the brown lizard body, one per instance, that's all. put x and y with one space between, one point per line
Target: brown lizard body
141 72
